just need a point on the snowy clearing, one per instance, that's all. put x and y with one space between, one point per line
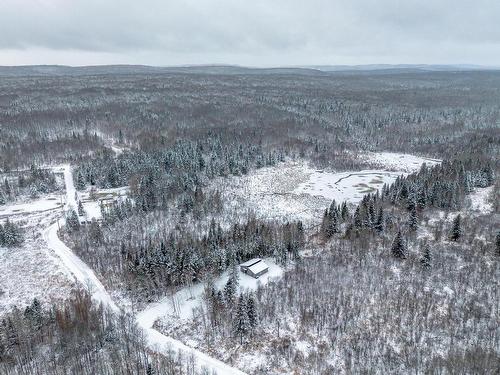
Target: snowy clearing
178 308
31 271
296 191
182 303
92 198
346 186
480 201
17 211
398 162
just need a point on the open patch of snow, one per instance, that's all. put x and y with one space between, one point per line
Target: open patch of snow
17 211
181 304
296 191
346 186
31 271
479 200
394 161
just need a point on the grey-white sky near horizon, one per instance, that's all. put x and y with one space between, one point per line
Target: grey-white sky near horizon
255 33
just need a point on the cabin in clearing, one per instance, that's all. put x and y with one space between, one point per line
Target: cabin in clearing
254 267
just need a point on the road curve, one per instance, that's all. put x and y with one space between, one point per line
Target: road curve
86 276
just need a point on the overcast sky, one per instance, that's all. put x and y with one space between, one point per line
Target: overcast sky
249 32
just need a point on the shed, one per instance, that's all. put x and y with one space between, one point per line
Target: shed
254 267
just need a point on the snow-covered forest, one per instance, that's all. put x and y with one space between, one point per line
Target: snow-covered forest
129 201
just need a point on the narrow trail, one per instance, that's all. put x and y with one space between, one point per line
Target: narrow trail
85 275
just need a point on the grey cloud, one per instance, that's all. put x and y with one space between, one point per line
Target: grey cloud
283 32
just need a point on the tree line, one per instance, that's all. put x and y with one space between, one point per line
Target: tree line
157 176
32 183
149 265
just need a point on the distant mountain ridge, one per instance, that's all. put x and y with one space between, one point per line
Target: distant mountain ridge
312 70
421 67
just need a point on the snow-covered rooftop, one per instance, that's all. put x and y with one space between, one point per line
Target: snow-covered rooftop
250 262
258 267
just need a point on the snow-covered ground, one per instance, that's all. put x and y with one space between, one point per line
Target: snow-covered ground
32 271
480 201
179 307
393 161
181 304
91 199
17 211
296 191
346 186
287 191
351 186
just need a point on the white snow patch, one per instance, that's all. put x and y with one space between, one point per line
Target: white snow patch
181 304
30 271
21 210
479 200
398 162
346 186
296 191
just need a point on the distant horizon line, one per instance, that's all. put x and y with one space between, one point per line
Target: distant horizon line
301 66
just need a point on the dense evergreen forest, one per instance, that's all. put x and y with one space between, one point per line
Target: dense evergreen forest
49 118
403 280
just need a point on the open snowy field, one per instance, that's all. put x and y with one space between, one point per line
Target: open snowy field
296 191
17 211
35 269
32 270
397 162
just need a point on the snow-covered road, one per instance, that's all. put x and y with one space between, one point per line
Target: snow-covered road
70 187
82 273
86 276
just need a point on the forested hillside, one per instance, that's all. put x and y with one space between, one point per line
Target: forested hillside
48 118
370 202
